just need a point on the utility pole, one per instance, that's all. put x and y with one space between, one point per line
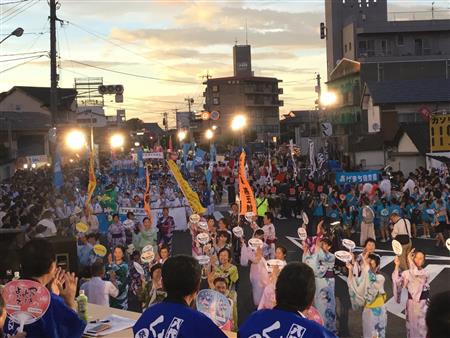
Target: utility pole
165 121
318 89
53 71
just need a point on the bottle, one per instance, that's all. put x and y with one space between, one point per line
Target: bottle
82 302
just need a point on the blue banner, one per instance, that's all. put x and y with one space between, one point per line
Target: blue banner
57 172
199 156
140 159
208 176
357 177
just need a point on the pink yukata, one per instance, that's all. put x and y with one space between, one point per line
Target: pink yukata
259 276
416 282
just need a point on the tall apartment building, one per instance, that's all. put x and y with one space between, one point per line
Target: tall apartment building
370 52
243 93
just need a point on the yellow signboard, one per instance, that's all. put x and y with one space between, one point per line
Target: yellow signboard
440 133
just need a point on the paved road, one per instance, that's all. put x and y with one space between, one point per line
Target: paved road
439 266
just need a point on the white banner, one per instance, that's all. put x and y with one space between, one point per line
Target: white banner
178 214
158 156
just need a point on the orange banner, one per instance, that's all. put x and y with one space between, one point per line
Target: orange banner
246 195
92 181
147 196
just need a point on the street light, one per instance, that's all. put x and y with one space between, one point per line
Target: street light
328 99
209 134
75 139
117 141
238 122
181 135
214 127
137 144
17 32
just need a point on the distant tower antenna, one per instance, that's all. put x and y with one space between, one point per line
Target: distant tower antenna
246 32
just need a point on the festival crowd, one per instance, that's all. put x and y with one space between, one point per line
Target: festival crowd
138 270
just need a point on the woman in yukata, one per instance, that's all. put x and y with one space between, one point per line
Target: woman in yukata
322 262
117 269
368 291
416 281
259 277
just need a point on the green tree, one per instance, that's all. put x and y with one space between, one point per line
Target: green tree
134 124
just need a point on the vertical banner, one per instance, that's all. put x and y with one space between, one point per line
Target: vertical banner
57 172
269 170
212 153
199 156
92 180
186 148
191 196
208 176
294 165
312 157
147 209
170 148
246 196
140 159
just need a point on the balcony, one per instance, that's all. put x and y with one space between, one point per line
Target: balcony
262 90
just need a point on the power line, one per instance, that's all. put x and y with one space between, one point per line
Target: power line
25 53
102 37
27 6
13 7
23 58
12 2
131 74
20 64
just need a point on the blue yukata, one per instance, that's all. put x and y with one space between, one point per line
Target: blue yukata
173 320
324 300
281 323
59 321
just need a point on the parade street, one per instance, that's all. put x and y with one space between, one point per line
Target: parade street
438 266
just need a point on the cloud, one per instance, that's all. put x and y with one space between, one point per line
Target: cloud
213 25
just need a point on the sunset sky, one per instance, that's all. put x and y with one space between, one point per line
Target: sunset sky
172 40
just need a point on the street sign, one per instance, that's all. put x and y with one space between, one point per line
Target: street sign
215 115
440 133
327 129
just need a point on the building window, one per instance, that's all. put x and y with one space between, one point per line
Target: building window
345 48
380 72
216 101
362 46
349 46
384 47
215 88
418 46
426 47
400 40
371 48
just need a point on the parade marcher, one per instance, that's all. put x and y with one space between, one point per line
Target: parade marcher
116 233
166 226
295 290
91 220
152 292
416 281
117 269
368 291
173 316
367 223
148 235
322 263
227 270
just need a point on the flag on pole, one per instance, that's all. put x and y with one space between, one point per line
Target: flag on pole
92 181
312 157
140 158
269 170
186 148
246 196
212 152
147 208
170 149
294 164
